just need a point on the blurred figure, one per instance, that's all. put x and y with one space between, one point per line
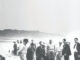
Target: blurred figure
20 41
77 52
44 48
40 52
34 45
23 50
15 48
17 41
2 58
18 44
66 52
31 51
51 51
59 51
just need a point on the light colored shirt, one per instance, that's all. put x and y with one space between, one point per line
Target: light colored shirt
23 49
51 47
59 48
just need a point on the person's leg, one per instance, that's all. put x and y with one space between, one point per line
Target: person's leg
38 58
43 57
21 57
66 57
52 56
58 57
75 56
46 57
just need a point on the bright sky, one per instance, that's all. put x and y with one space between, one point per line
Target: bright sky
52 16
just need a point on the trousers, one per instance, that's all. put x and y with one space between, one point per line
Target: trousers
66 57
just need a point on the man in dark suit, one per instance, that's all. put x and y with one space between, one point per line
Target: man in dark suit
40 52
66 52
77 52
15 48
31 51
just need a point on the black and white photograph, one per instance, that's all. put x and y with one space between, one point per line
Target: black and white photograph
39 30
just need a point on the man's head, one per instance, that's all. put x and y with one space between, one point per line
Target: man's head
25 41
40 42
50 41
76 40
32 45
64 41
20 41
17 41
32 41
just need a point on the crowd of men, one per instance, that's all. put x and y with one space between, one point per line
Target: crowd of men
46 52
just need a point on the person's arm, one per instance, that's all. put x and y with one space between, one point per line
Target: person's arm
68 50
63 51
37 52
55 51
20 50
55 48
47 48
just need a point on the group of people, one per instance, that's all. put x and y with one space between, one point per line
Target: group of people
46 52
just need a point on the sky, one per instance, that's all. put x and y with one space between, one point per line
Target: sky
52 16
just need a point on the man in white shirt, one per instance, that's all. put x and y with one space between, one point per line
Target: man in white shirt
51 51
23 50
59 51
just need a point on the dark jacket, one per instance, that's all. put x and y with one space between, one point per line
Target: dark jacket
78 47
15 46
40 52
30 53
66 50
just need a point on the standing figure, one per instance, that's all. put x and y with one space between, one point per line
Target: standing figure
66 52
51 51
23 50
31 51
44 48
18 44
77 52
15 48
59 51
40 52
20 41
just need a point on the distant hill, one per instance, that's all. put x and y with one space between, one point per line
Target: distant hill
23 33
